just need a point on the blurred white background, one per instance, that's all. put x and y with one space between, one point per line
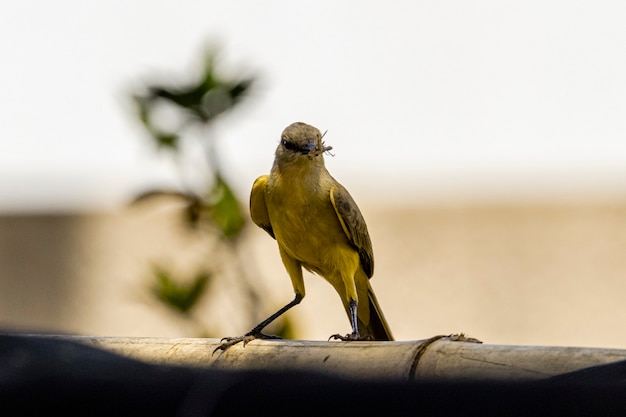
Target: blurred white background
420 98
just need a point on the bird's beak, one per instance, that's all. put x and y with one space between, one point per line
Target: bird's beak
306 149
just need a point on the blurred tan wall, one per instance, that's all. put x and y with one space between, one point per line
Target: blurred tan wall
530 274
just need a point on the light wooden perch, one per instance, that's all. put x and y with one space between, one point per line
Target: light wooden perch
439 358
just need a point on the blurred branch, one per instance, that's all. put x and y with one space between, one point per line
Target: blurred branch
212 208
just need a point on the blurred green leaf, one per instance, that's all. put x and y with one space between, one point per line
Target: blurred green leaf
238 90
166 140
225 210
206 98
142 109
179 296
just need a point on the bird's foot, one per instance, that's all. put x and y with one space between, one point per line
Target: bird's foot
227 342
347 338
462 337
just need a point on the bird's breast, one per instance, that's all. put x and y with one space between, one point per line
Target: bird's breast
305 223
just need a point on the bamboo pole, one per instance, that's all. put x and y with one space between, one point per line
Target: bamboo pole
438 358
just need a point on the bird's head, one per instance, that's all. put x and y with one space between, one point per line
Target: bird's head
300 140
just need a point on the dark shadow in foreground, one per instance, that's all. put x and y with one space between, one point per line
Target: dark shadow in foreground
46 376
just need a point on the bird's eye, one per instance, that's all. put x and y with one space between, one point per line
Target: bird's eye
289 145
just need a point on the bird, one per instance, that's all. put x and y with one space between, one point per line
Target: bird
318 227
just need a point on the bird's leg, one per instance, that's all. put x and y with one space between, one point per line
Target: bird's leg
256 333
355 327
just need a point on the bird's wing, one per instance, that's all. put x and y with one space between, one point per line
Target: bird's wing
353 225
258 208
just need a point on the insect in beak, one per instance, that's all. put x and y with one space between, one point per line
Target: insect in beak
326 149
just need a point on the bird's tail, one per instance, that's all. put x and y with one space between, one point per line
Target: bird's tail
376 328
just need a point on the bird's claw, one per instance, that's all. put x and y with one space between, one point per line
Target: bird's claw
347 338
462 337
227 342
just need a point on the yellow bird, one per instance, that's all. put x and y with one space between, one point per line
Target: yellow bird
319 227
